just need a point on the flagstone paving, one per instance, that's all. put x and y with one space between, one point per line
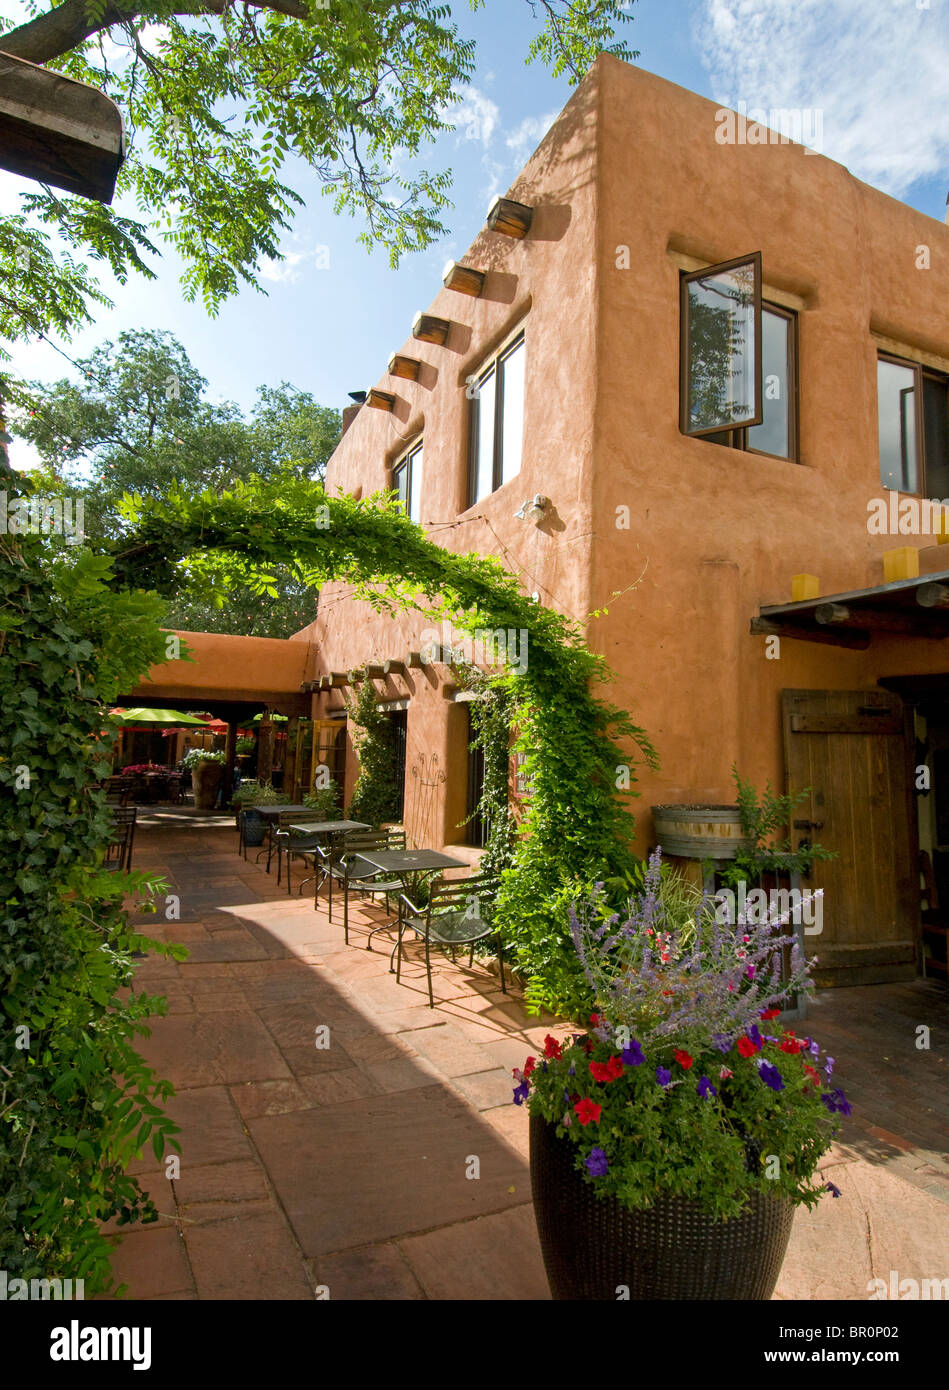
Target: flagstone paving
390 1164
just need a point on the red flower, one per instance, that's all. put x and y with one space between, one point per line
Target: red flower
552 1047
746 1047
770 1013
607 1071
588 1047
815 1079
683 1058
791 1044
529 1065
587 1111
596 1020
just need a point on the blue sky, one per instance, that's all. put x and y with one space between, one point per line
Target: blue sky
875 71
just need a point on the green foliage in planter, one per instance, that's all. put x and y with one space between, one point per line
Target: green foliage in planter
769 851
244 746
200 755
76 1101
581 750
255 793
376 796
325 800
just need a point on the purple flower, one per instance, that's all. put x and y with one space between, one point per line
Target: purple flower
834 1191
706 1088
566 1096
829 1066
633 1055
836 1101
722 1041
813 1049
754 1034
521 1093
663 1076
771 1076
572 1070
597 1164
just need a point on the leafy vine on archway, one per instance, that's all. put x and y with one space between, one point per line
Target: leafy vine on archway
579 748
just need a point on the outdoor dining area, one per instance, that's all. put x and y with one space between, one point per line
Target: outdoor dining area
409 887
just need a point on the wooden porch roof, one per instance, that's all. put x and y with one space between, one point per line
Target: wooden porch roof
58 131
906 607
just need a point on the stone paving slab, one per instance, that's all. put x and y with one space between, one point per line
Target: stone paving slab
344 1167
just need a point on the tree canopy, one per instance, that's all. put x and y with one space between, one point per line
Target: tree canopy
138 421
217 97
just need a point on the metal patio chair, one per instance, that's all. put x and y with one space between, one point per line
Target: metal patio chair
348 867
118 854
459 912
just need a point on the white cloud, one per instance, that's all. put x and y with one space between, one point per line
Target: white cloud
524 139
475 116
876 72
288 270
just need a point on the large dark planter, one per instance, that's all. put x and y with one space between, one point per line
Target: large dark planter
206 777
254 826
594 1248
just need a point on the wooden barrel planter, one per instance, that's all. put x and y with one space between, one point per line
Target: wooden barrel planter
699 831
595 1249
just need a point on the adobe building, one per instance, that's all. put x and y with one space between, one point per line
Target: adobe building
672 373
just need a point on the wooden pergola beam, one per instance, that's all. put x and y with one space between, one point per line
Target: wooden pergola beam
870 619
380 400
831 637
427 328
59 131
463 278
393 668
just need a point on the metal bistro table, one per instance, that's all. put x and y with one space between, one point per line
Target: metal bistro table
410 863
271 813
331 830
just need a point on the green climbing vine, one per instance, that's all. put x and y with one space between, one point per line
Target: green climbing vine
579 749
376 794
76 1101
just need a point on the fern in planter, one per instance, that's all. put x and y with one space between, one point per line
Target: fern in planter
767 850
376 797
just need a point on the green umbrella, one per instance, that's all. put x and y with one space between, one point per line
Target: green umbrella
156 718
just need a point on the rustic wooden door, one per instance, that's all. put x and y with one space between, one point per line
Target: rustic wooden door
850 747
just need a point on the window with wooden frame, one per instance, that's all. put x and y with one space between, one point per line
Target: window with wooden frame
720 347
496 430
913 422
407 481
777 435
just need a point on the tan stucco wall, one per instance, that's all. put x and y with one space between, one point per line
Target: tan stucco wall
226 667
715 533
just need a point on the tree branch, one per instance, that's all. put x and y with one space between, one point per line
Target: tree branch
64 28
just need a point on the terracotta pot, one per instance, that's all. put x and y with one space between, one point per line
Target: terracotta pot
594 1248
206 779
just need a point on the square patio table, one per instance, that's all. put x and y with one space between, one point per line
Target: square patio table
412 862
329 828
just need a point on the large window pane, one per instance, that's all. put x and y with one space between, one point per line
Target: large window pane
773 435
936 430
483 425
512 426
415 485
402 483
721 359
896 406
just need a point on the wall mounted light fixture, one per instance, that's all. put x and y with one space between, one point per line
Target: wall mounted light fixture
534 509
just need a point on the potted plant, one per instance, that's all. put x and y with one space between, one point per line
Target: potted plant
250 794
325 800
206 770
672 1138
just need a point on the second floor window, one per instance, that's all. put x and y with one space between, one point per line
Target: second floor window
497 423
777 433
913 415
407 482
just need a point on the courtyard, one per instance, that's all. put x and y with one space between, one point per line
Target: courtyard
390 1164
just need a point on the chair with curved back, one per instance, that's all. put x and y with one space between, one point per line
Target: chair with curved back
459 912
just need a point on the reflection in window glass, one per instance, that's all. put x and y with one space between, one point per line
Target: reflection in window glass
936 434
773 435
512 426
415 484
483 423
720 309
896 407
